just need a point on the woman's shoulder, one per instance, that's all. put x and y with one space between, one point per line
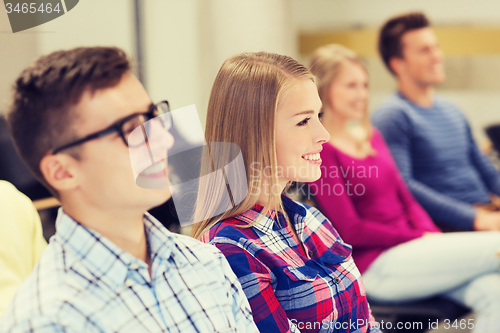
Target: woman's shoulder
312 217
376 136
316 221
232 236
319 231
228 230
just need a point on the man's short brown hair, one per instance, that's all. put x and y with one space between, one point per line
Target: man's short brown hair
389 42
41 116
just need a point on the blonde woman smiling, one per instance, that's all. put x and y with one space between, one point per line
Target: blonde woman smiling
296 271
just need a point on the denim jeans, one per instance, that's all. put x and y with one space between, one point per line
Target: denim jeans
462 266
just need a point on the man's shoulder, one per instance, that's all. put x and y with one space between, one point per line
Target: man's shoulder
394 116
195 250
446 105
397 104
394 105
193 244
444 102
184 246
206 260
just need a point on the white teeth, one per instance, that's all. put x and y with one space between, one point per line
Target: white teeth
312 157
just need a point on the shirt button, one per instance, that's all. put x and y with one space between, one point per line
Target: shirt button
336 280
133 266
129 282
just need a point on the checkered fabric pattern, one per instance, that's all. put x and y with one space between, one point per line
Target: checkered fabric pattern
85 283
289 290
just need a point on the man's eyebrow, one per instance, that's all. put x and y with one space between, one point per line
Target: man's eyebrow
304 112
150 106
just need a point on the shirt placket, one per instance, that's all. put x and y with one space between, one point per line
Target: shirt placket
139 283
343 297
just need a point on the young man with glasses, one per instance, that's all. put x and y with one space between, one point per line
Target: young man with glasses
110 267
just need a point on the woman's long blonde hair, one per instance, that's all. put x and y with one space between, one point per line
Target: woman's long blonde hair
326 63
242 110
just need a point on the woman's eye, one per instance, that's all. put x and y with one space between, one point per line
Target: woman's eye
320 115
304 122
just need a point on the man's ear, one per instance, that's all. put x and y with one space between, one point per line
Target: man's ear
397 65
60 171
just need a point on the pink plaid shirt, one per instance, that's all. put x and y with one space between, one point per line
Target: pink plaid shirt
289 290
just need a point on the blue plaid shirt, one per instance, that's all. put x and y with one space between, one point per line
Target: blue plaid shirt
85 283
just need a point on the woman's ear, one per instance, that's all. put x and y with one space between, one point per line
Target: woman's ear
59 171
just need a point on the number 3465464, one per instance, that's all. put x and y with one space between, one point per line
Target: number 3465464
32 8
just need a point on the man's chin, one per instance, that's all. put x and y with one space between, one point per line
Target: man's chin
436 78
159 198
440 80
308 179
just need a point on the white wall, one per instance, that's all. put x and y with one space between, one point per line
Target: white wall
229 27
314 14
187 42
172 51
16 52
90 23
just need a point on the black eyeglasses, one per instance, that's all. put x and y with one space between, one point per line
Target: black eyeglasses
128 124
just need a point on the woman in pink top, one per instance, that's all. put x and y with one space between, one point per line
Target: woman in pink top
400 252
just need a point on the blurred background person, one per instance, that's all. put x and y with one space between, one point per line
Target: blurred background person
429 137
401 253
21 241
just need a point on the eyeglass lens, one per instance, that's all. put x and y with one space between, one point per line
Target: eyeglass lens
140 128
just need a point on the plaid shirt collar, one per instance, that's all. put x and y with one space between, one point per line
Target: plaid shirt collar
90 247
275 220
